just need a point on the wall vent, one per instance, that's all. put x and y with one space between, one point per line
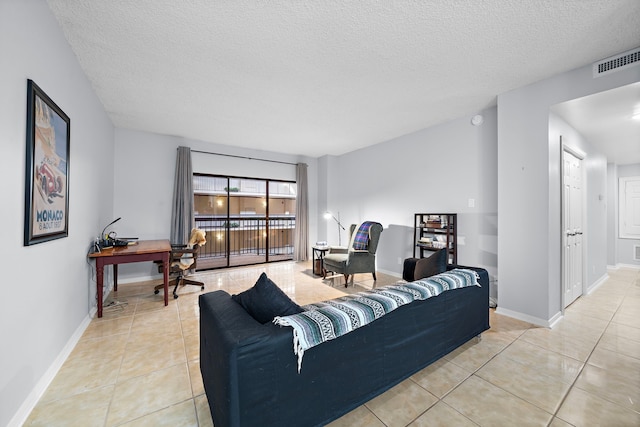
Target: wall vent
636 252
619 62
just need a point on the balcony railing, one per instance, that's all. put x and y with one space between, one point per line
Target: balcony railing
243 240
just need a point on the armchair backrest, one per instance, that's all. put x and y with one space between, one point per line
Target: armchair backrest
374 236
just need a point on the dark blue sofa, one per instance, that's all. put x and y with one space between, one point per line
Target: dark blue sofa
250 372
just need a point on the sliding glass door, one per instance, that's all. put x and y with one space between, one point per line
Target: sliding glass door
247 220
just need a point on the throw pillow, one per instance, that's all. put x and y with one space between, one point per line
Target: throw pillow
409 269
265 300
435 264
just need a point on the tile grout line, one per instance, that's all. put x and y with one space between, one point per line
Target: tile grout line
124 352
441 399
186 357
573 384
553 415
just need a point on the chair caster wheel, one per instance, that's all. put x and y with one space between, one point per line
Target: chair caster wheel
202 288
157 291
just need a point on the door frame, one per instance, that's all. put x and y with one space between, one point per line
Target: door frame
581 155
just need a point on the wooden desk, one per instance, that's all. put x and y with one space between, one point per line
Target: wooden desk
145 250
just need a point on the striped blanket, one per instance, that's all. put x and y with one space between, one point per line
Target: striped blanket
361 239
327 320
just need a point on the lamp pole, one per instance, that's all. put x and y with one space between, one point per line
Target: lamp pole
328 215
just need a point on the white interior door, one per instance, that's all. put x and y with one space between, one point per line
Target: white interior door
629 199
572 227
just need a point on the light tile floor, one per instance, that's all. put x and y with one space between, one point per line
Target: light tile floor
139 364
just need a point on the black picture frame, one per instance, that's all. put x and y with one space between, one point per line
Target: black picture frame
46 212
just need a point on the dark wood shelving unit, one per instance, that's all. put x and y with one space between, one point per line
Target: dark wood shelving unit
435 231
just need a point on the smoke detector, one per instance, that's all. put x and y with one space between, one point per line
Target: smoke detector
477 120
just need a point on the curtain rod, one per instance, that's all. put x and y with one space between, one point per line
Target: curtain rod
243 157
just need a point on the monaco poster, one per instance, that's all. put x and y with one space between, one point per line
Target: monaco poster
48 168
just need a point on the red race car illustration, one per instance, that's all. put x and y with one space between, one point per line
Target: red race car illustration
50 183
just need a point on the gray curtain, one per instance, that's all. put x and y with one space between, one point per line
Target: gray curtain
182 219
301 232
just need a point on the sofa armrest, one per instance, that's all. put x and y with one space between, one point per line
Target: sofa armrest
482 273
410 265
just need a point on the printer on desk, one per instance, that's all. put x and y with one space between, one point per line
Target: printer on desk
111 240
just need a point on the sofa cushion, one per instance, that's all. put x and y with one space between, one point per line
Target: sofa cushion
265 300
435 264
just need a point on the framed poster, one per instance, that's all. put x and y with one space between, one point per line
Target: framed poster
46 214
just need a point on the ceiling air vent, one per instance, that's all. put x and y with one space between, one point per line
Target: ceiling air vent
616 63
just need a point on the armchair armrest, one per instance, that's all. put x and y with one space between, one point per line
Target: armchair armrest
175 252
179 250
338 250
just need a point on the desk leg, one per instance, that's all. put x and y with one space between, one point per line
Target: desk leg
99 283
165 276
115 277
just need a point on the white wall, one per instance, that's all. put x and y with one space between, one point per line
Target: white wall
624 247
529 191
322 201
612 214
434 170
144 173
49 288
413 173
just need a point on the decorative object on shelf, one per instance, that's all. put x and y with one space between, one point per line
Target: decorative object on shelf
434 231
328 215
434 223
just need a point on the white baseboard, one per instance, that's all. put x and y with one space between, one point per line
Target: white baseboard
109 288
555 319
526 318
139 279
391 273
41 386
631 266
597 283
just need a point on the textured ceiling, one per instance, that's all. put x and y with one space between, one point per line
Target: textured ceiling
326 77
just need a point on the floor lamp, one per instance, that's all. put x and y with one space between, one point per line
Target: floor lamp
329 215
